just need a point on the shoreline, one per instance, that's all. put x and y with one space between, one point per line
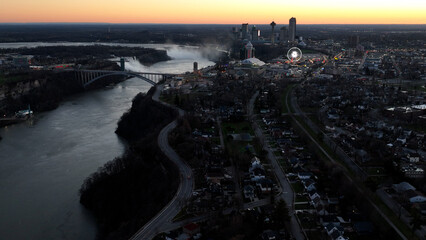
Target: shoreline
140 167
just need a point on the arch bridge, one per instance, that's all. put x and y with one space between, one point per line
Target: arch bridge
87 77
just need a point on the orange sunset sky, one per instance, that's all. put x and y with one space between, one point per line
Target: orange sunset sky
218 11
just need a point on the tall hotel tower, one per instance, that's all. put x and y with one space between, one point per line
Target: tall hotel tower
292 29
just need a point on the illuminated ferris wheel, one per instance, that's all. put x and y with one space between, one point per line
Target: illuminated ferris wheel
294 54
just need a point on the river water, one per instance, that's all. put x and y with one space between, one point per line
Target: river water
43 163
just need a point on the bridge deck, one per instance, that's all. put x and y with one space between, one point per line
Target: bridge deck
112 71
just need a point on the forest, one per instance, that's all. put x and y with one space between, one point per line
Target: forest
43 55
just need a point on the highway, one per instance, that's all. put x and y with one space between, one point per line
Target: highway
286 191
163 219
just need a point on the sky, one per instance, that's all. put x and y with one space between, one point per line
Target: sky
215 11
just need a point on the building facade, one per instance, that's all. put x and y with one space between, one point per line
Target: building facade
292 29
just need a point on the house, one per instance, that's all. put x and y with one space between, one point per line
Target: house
340 238
309 185
249 191
265 185
215 177
412 171
191 229
342 221
316 201
257 174
413 157
418 199
304 175
402 187
313 194
183 236
332 200
335 235
270 235
414 196
321 210
329 228
335 232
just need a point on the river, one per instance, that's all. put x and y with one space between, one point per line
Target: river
44 162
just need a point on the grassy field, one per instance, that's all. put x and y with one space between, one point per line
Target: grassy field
302 206
297 187
301 199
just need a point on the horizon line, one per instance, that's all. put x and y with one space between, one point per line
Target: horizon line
210 23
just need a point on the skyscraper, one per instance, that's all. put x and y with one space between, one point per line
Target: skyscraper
236 33
244 31
254 34
273 24
354 41
283 35
292 29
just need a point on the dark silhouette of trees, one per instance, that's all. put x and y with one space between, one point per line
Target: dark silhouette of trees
129 190
144 117
281 214
71 53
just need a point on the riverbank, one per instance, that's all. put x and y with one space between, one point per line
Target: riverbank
48 55
42 91
127 192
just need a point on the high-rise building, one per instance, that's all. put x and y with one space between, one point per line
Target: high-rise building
255 33
283 35
292 29
273 24
244 31
236 33
354 41
249 50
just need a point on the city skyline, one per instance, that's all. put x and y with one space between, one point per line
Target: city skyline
209 12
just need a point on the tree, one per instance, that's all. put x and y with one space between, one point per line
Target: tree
177 100
281 214
416 220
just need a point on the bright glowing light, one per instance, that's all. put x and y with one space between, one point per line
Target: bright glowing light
294 54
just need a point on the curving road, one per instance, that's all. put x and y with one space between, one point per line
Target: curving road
158 223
